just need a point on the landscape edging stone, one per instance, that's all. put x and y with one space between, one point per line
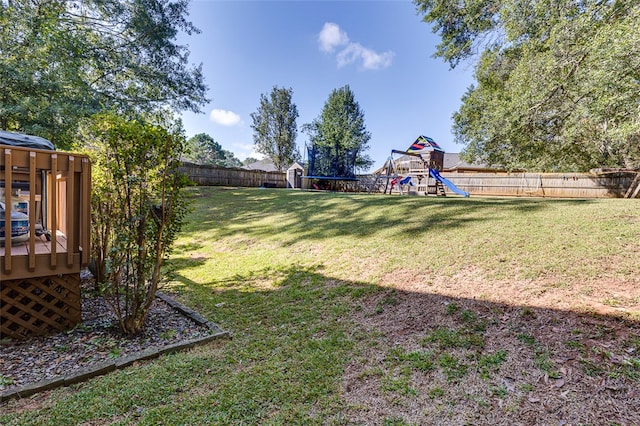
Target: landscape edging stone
102 368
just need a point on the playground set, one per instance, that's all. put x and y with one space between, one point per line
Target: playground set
416 171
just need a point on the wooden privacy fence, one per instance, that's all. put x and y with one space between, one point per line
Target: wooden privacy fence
563 185
224 176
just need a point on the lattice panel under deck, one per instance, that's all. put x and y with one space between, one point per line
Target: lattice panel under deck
37 306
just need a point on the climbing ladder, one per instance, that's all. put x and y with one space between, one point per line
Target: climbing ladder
634 188
440 189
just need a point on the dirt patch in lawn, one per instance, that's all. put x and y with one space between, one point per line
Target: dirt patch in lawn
604 296
443 351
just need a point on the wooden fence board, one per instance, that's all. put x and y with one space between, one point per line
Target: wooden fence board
223 176
560 185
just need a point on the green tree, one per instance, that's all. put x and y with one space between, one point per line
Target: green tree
61 61
339 136
137 208
249 160
557 82
275 129
203 149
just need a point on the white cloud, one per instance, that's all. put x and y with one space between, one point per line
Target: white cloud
255 154
370 60
224 118
331 36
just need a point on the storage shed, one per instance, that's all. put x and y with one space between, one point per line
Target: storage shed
294 176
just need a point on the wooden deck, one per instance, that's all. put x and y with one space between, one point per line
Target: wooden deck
42 246
46 258
56 189
40 279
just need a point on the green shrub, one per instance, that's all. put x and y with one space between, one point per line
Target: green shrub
137 208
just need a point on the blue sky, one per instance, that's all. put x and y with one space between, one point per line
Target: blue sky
381 49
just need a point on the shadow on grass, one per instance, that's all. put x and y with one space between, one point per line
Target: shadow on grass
349 352
383 350
286 294
313 215
310 349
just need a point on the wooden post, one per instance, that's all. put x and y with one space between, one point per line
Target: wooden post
8 178
32 210
85 214
54 209
71 209
635 183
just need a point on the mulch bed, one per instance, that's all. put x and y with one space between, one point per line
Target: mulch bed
96 339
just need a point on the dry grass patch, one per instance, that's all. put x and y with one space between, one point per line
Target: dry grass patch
610 296
443 360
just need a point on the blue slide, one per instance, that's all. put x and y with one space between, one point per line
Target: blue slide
436 175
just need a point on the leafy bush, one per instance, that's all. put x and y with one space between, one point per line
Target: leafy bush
137 208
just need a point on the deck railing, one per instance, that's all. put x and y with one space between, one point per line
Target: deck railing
57 188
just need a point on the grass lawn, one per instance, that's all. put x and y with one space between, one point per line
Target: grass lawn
370 309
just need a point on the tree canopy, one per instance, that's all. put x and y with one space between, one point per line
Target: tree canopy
275 129
249 160
205 150
339 136
61 61
557 81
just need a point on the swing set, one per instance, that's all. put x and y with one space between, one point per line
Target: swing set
416 171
